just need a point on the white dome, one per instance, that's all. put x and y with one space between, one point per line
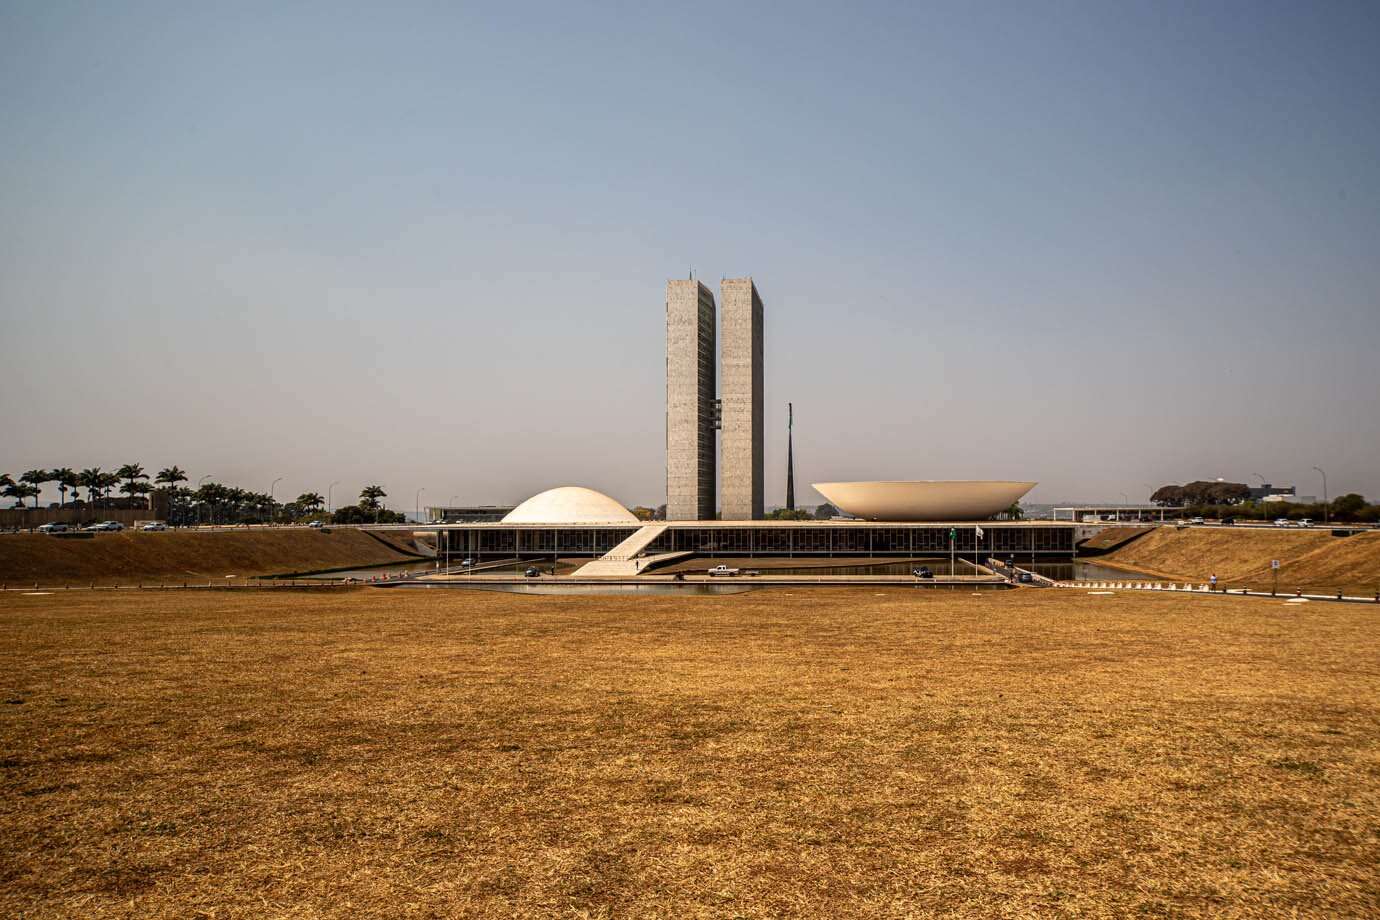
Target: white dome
570 505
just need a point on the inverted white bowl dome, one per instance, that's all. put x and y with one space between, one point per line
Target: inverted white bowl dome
570 505
924 500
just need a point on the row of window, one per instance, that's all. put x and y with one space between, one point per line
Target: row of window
838 540
747 541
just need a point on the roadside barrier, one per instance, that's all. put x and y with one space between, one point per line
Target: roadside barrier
1223 590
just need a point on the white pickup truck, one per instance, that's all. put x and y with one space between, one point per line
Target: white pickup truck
723 570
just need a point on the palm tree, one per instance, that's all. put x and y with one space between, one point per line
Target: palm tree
36 479
11 489
310 501
170 477
209 496
369 499
135 487
20 491
108 482
66 480
129 473
90 480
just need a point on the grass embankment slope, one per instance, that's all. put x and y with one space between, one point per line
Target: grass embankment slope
1109 538
812 753
130 557
1311 560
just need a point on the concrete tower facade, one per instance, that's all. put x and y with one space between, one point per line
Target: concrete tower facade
690 415
742 408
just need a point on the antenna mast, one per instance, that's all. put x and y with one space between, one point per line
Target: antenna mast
790 457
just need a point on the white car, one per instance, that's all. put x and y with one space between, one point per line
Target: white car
54 527
316 525
723 570
1283 522
107 527
154 526
1197 520
1306 522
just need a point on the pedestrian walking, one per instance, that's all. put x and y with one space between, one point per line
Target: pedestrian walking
1212 582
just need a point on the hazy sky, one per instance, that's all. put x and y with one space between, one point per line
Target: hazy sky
1103 246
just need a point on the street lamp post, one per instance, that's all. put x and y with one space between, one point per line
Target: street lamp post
1326 518
328 495
1262 497
1125 500
417 505
198 487
271 490
1149 492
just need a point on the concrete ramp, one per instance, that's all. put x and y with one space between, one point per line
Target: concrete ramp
641 538
622 559
622 567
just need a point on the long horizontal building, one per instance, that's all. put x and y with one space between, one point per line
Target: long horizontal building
761 538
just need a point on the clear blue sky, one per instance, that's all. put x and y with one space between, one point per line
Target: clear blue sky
1100 245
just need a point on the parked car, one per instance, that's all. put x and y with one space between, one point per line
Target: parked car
532 572
154 527
723 570
54 527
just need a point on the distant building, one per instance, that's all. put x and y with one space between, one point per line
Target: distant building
467 514
1267 492
691 409
741 401
1291 498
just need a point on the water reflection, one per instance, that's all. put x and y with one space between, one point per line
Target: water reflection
1078 570
937 566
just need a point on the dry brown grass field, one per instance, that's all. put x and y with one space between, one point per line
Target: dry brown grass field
131 557
1313 561
879 753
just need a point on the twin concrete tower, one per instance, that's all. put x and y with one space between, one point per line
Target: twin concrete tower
693 413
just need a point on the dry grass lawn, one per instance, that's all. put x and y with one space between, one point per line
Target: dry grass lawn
131 557
1310 560
805 753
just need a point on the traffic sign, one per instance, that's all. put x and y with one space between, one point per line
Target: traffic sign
1274 563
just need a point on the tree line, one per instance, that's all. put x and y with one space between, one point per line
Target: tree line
1227 499
210 502
1201 492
